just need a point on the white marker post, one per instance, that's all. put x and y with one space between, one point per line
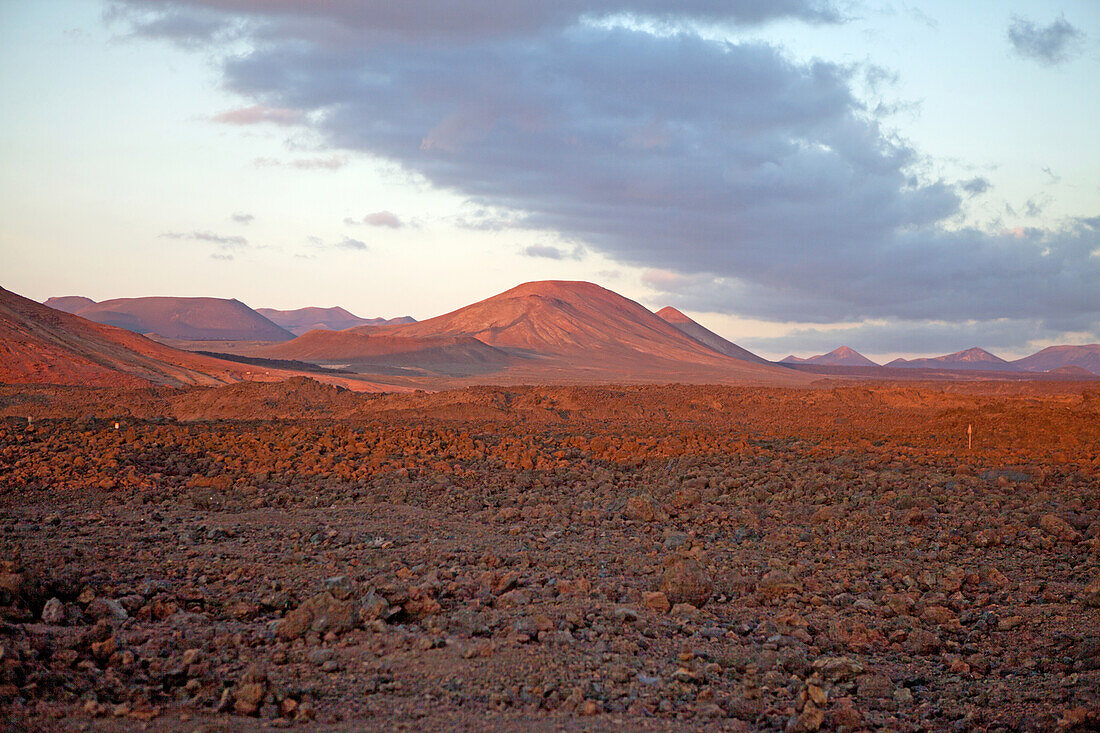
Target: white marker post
970 437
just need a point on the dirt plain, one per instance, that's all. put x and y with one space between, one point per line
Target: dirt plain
551 558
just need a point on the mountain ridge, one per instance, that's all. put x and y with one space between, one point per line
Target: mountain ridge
840 356
707 337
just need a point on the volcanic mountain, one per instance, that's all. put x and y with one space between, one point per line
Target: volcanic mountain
70 303
197 319
842 356
973 358
563 331
1053 357
41 345
304 320
707 337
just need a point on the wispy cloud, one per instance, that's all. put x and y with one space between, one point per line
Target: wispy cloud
331 163
1049 44
349 243
976 186
223 241
242 218
551 252
346 243
257 114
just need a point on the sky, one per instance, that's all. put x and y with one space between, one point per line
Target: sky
904 178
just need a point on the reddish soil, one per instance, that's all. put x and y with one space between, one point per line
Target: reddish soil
551 558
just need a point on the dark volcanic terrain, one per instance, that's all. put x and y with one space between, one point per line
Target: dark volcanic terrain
551 558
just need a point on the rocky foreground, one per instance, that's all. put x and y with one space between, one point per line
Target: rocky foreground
551 559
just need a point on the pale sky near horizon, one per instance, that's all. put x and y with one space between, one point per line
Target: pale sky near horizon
904 178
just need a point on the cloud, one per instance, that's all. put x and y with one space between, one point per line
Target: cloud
242 218
349 243
221 256
223 241
346 243
257 114
552 253
895 336
920 16
383 219
1025 273
975 186
189 26
451 20
757 184
1054 177
331 163
1049 45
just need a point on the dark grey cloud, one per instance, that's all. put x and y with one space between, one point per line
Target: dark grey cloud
223 241
975 186
1029 273
242 218
184 24
908 337
757 185
1048 44
462 20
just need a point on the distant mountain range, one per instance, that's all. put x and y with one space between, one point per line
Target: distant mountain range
973 358
185 319
841 356
41 345
304 320
549 331
212 319
1059 357
1066 360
